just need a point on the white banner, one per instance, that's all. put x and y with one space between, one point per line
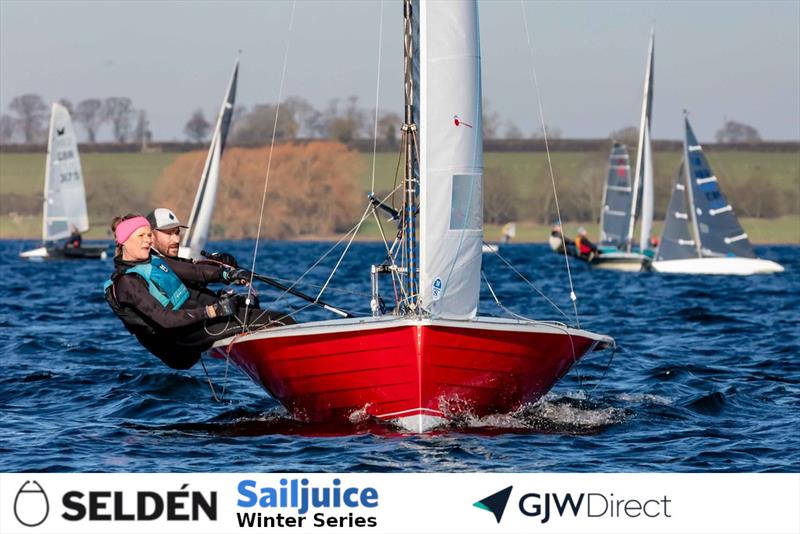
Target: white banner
384 503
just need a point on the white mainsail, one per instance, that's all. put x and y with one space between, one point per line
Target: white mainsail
451 158
647 192
644 158
64 194
199 221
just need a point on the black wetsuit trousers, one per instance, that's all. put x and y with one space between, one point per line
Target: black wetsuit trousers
181 348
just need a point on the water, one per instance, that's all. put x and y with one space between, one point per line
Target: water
707 378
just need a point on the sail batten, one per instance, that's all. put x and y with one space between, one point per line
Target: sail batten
64 192
676 241
199 221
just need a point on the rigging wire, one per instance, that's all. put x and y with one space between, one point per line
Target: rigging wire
269 160
535 80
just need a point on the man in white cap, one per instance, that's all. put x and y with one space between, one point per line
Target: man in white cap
166 231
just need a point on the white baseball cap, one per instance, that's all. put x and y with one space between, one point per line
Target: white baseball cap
164 219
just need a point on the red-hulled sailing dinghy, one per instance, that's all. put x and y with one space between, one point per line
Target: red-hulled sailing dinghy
432 357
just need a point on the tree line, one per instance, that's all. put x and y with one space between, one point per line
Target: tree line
343 120
29 118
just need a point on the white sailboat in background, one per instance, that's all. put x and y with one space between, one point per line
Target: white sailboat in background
199 222
618 219
716 243
509 232
64 209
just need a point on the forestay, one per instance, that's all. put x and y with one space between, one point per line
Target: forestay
719 231
676 238
203 209
448 82
615 217
64 194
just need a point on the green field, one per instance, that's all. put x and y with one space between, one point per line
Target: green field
132 176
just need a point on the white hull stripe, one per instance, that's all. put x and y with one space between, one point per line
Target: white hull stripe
720 210
701 181
729 240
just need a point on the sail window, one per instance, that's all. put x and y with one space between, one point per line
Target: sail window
465 206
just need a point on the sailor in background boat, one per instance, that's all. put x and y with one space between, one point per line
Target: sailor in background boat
558 241
584 247
75 238
175 323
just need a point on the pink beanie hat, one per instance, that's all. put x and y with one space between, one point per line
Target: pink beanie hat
127 227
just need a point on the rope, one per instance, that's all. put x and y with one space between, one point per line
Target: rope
377 100
531 284
331 249
269 160
535 80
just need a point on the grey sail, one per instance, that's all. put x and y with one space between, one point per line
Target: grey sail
616 214
719 231
203 209
676 241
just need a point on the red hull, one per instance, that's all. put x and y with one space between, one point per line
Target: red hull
403 369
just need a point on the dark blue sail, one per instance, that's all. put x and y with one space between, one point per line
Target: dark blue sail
719 231
676 238
616 214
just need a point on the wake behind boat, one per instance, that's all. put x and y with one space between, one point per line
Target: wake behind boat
716 243
429 357
64 213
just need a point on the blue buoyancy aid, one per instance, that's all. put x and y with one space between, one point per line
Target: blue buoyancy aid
162 282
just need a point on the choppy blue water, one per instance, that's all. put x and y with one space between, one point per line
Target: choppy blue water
707 378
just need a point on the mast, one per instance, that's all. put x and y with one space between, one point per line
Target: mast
47 171
688 171
643 123
411 172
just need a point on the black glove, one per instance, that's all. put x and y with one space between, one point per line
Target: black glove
224 307
236 276
224 257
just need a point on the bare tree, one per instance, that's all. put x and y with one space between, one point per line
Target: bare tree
345 124
491 121
305 120
737 132
89 114
67 104
389 124
255 127
8 127
197 127
552 131
31 113
118 110
629 135
512 131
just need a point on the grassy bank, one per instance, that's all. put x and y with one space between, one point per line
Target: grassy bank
121 180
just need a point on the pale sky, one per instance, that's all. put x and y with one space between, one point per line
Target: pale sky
738 60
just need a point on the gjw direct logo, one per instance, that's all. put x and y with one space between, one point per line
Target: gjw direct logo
550 505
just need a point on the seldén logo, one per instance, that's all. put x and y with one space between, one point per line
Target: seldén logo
495 503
